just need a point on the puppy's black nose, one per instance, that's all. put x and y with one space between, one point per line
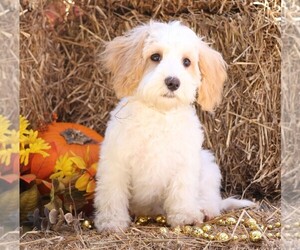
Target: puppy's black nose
172 83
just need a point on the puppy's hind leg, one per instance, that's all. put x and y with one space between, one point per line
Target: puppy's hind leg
210 183
210 195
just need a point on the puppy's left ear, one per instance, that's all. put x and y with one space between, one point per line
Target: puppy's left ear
213 71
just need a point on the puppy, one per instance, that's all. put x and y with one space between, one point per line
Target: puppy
152 161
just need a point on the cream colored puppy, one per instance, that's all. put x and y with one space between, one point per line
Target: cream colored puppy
152 161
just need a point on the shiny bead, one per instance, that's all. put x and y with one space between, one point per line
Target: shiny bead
211 237
230 221
197 231
187 229
278 235
287 227
270 235
244 237
142 220
254 227
297 235
222 237
160 219
235 237
255 236
296 224
164 230
250 222
206 228
177 230
242 220
205 235
270 227
277 224
221 222
86 224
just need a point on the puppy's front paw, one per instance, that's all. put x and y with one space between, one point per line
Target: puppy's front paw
185 218
110 224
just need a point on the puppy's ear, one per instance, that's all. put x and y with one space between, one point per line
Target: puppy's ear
122 57
213 71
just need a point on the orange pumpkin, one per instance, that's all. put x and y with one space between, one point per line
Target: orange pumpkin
65 138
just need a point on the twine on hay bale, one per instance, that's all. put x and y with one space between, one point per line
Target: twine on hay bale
60 73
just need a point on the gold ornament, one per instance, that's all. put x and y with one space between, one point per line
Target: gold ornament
205 235
297 235
270 235
142 220
211 237
278 235
87 224
287 227
164 230
206 228
222 237
255 236
197 231
270 227
277 224
230 221
221 222
254 227
177 230
160 219
244 237
250 222
187 229
235 237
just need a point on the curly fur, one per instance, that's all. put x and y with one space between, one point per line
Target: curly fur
152 161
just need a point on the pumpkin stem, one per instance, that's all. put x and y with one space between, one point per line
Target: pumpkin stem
73 136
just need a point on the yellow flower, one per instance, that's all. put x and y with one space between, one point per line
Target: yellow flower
28 138
86 182
36 145
24 123
9 142
4 129
66 166
24 132
30 143
8 147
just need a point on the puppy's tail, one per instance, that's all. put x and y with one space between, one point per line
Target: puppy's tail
232 203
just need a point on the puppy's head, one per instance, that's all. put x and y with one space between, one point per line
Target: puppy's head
164 65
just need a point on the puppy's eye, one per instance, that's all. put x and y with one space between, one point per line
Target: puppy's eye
156 57
186 62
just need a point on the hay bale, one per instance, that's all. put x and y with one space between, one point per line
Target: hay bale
60 73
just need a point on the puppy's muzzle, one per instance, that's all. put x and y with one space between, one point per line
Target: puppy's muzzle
172 83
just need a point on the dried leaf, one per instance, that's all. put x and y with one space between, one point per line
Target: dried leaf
28 201
37 219
69 218
28 177
53 216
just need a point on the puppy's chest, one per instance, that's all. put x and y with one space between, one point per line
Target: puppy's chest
162 142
